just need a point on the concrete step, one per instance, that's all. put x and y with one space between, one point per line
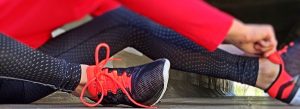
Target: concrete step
65 101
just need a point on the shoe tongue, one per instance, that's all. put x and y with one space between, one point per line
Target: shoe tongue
275 58
92 89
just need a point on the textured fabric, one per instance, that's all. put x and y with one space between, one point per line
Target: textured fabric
14 91
194 19
20 62
292 54
31 21
147 84
121 28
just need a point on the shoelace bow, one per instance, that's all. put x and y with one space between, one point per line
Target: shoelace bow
285 48
104 74
277 56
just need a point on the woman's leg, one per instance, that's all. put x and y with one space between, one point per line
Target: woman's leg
64 47
15 91
144 84
156 41
20 62
268 74
122 28
22 68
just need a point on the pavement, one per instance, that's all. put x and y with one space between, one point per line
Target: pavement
63 100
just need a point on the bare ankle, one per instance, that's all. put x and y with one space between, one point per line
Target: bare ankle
82 82
267 73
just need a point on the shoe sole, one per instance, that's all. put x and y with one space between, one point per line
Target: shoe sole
296 98
166 79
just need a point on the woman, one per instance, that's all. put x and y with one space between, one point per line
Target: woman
121 28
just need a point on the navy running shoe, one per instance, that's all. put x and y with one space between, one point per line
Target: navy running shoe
139 86
286 86
291 57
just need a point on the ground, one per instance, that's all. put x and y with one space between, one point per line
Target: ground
62 100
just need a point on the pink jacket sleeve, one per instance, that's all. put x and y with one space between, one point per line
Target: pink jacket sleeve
194 19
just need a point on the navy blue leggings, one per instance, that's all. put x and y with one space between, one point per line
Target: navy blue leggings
120 29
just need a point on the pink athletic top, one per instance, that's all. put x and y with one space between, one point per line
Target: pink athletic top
32 21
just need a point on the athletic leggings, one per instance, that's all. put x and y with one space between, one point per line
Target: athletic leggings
41 74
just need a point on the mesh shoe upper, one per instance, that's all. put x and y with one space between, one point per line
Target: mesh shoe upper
141 86
290 56
284 87
148 82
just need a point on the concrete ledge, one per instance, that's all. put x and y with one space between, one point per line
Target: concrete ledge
201 103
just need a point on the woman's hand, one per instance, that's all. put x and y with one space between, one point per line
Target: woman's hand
257 39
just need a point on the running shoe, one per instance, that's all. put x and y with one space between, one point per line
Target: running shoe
139 86
285 87
290 56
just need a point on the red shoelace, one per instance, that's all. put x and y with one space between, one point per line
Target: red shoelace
284 49
283 78
277 56
102 78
